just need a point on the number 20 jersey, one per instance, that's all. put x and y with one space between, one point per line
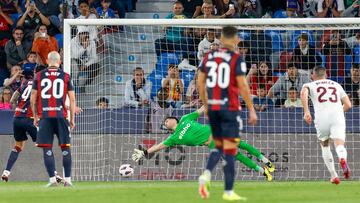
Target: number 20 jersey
326 97
52 85
221 68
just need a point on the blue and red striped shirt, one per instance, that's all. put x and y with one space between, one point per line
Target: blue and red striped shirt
23 108
52 86
221 68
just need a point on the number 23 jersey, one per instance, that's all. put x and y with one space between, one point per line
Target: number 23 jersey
221 68
326 97
52 85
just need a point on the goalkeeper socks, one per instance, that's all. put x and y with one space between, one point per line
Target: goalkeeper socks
229 170
214 157
252 150
14 154
263 159
246 161
341 152
66 153
49 161
329 160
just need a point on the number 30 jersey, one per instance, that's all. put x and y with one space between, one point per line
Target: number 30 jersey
52 85
23 104
221 68
326 97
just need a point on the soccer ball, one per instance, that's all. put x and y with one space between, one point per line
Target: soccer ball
126 170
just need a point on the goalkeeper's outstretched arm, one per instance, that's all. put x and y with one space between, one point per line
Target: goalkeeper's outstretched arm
139 154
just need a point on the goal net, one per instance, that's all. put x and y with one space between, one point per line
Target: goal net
131 74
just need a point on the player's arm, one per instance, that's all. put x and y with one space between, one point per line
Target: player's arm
202 90
33 101
346 103
245 93
139 154
72 101
304 95
14 98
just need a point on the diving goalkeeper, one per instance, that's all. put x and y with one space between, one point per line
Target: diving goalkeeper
189 132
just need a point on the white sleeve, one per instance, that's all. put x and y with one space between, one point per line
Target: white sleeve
128 100
341 6
342 91
319 6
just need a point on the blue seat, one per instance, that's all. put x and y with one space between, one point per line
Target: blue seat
348 64
60 40
297 33
165 59
244 35
276 40
356 54
187 76
14 17
323 59
155 78
280 14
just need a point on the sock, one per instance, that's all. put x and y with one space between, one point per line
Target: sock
263 159
228 192
341 152
68 180
214 157
14 154
66 153
329 160
52 179
49 161
229 168
260 170
246 160
252 150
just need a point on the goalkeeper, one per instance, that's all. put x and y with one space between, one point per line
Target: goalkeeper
189 132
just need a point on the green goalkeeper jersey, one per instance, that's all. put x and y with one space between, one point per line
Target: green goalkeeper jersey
189 132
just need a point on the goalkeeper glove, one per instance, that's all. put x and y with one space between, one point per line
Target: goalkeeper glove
138 154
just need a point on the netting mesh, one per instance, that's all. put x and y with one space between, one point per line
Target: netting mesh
129 78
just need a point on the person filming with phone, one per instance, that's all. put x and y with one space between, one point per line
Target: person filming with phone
43 44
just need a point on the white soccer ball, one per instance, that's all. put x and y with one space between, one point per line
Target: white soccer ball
126 170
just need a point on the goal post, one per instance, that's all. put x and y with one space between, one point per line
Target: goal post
104 67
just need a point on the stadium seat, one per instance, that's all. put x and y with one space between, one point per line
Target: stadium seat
244 35
187 76
155 78
323 59
348 64
14 17
356 53
276 40
280 14
60 38
165 59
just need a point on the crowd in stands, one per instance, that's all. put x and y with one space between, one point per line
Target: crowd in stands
278 62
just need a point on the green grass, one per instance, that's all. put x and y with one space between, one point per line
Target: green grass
179 192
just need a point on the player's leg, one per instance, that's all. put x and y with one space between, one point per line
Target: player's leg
214 156
253 151
338 136
63 133
45 138
329 161
20 138
249 163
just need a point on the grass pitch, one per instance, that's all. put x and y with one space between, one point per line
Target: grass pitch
179 192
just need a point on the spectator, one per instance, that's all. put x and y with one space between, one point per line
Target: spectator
352 11
207 9
51 9
104 11
192 8
249 9
243 49
292 100
309 8
5 28
14 81
160 110
17 48
31 58
192 95
11 6
43 44
335 51
5 95
260 46
227 9
330 8
102 103
174 85
85 56
61 17
116 5
292 8
137 90
173 39
260 75
352 84
292 78
204 45
31 20
86 14
304 54
261 102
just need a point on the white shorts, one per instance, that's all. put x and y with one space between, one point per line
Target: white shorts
331 129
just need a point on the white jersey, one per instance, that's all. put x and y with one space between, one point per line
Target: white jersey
326 97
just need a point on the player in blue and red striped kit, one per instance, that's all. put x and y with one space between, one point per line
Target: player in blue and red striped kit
49 91
222 74
23 123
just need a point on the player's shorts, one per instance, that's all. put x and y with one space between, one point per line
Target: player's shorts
330 128
225 124
48 127
22 127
